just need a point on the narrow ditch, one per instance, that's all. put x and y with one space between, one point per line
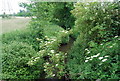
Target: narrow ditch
66 48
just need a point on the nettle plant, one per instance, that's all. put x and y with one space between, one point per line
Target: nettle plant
54 65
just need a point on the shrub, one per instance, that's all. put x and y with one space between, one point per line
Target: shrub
89 59
99 61
58 13
14 62
41 41
54 66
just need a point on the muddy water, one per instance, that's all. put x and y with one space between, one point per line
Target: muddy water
66 47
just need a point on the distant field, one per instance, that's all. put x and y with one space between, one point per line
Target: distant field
7 25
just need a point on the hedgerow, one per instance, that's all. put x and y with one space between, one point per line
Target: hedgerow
57 13
97 41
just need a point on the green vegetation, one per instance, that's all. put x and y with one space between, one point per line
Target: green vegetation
29 38
58 13
33 53
95 51
14 61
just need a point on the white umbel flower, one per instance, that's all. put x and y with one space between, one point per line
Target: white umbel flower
56 65
88 52
52 51
110 46
101 44
86 60
104 60
53 75
106 56
100 58
47 63
116 36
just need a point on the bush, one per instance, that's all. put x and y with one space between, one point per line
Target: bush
54 65
99 61
58 13
96 25
41 41
14 62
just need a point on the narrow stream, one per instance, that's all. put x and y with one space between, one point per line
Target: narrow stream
66 47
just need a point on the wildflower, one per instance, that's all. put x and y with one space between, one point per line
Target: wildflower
86 49
87 3
104 60
100 58
88 52
57 54
114 44
95 55
41 51
62 31
53 39
45 66
65 53
85 7
91 59
86 60
92 56
38 39
101 44
53 75
106 56
45 36
110 46
37 57
66 31
48 53
116 36
47 63
52 51
98 54
35 60
100 64
45 43
48 42
56 65
44 69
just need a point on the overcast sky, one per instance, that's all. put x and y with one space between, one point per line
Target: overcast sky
10 6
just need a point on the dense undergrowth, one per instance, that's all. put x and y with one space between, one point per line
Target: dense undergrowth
33 53
24 51
96 49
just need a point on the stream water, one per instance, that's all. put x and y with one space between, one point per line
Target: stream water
66 47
